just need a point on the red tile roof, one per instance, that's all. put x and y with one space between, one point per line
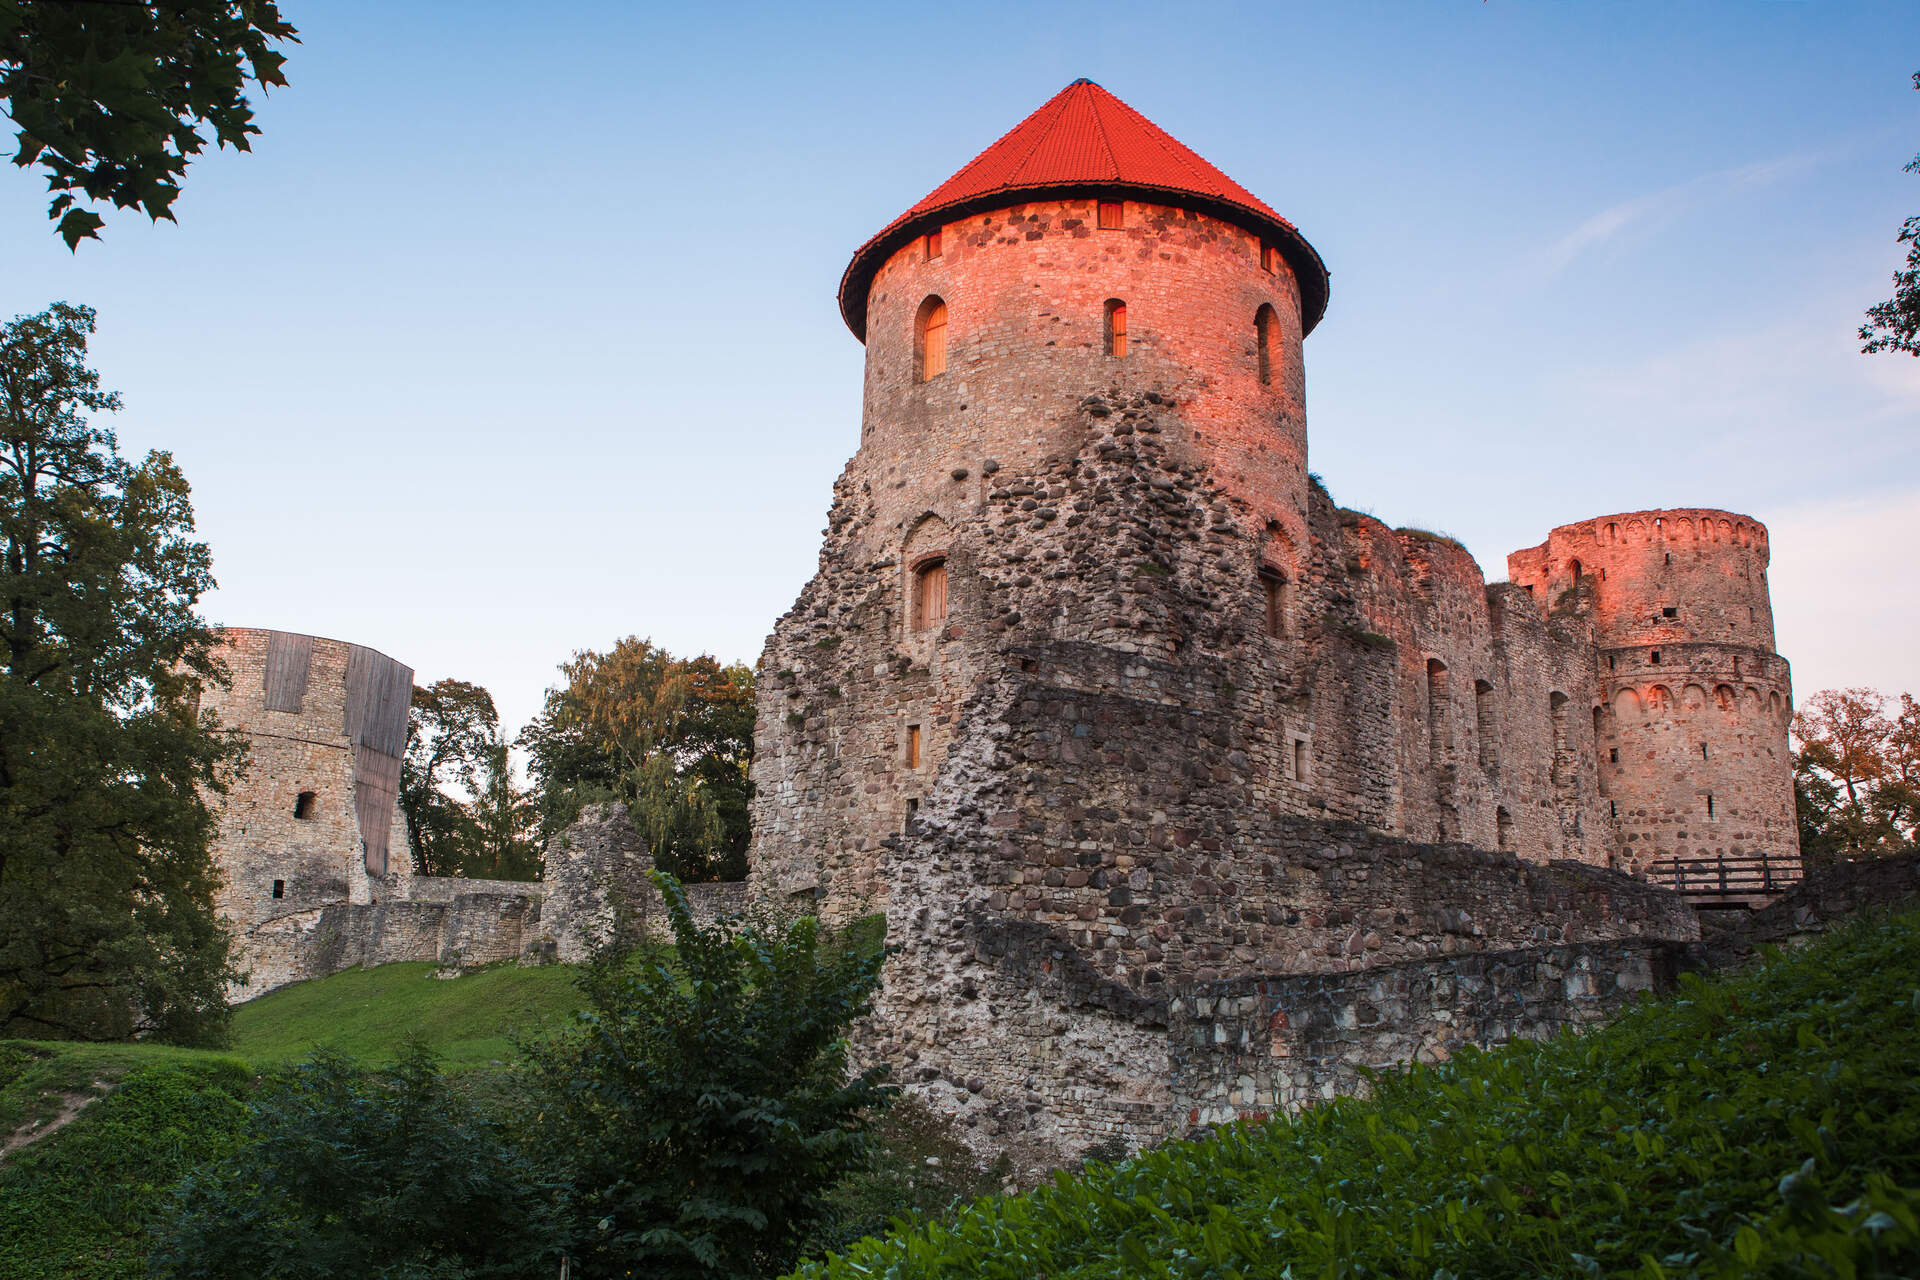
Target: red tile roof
1085 139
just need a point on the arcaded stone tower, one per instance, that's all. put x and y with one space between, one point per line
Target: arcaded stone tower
1105 703
314 820
1691 725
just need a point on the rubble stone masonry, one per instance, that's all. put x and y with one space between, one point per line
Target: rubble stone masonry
1185 722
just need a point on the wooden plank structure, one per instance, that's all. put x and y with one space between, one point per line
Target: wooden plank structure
1723 882
289 659
379 693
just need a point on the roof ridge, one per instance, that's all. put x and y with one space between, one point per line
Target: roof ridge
1100 122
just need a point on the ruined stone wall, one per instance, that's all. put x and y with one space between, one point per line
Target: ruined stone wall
1259 1045
1692 705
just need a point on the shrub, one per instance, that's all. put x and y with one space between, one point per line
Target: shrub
700 1109
352 1173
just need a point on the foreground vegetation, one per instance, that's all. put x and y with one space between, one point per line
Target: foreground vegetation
685 1110
1766 1124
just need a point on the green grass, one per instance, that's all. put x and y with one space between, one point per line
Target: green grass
78 1204
1767 1124
369 1013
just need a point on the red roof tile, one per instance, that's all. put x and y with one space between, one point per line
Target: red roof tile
1085 138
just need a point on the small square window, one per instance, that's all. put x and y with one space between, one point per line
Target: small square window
1112 215
933 245
1669 612
1269 257
1613 755
1655 658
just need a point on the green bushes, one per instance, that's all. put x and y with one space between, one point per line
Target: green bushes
688 1124
1764 1125
698 1113
355 1173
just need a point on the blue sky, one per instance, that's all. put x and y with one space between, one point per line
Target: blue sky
469 360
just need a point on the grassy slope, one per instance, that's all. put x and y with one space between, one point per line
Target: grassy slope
77 1204
368 1013
1767 1124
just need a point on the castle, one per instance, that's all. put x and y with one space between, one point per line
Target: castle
1186 793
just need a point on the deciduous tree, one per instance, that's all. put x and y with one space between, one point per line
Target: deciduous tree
108 96
466 815
671 737
106 883
1894 325
1857 774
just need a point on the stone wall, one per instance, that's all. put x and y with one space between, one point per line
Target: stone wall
457 923
1183 720
1257 1045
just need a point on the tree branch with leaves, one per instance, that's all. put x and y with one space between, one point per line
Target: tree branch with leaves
109 96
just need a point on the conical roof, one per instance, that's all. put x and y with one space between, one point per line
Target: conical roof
1086 140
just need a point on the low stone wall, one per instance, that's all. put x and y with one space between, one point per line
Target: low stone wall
1257 1045
1825 897
458 923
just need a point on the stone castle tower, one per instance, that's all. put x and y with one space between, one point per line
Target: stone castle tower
1099 696
1691 719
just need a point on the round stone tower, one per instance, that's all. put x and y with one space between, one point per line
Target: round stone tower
1691 728
314 819
1085 278
1086 251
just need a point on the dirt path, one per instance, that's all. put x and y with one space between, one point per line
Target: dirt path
72 1103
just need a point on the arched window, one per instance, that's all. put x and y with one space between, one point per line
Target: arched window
1575 568
1439 712
930 339
303 806
1264 324
1116 327
930 595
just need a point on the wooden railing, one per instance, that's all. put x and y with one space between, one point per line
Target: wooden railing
1727 881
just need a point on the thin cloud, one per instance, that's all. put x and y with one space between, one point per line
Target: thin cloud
1660 206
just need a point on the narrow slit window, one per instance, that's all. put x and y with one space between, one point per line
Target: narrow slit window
930 595
933 245
1709 804
913 746
1113 215
1703 751
1503 828
1264 322
1116 327
930 338
1273 592
303 805
1439 712
1299 759
913 812
279 888
1485 725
